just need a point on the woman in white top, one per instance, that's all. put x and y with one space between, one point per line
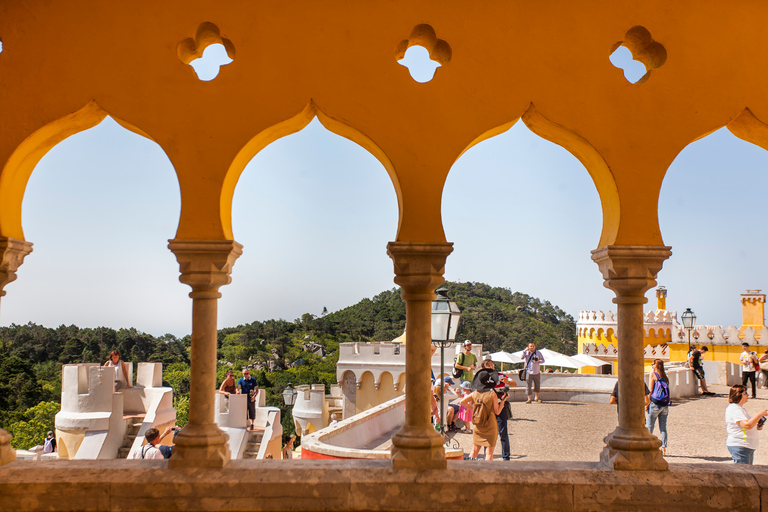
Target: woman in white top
742 429
121 370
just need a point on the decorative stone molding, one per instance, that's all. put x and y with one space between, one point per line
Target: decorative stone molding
419 267
630 270
205 265
610 351
12 253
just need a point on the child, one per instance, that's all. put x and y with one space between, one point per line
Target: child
465 413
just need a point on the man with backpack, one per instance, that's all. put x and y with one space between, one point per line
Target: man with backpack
467 362
659 403
694 361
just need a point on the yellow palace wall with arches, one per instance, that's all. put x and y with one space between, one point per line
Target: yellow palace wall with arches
665 338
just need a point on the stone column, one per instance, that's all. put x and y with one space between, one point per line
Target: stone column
630 271
12 253
205 266
419 271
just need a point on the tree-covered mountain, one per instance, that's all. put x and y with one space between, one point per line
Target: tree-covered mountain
303 351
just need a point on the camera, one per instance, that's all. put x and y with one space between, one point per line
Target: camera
761 422
535 359
500 392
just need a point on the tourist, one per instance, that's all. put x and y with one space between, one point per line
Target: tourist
465 412
533 359
249 387
448 411
763 365
467 361
288 448
149 450
49 445
334 420
742 430
166 450
502 419
228 386
659 402
486 405
614 399
694 362
121 370
750 365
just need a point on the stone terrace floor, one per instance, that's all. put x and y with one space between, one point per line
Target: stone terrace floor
569 431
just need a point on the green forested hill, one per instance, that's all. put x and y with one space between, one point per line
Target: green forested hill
279 351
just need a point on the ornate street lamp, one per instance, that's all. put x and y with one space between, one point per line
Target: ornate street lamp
445 324
689 321
289 398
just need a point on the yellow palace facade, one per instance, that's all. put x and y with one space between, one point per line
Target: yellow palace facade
666 339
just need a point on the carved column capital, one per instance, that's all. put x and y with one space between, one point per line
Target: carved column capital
205 265
630 270
12 253
419 267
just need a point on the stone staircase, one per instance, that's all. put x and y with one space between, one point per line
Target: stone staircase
254 443
131 431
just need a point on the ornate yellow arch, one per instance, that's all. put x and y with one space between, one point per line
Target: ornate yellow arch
17 170
578 146
288 127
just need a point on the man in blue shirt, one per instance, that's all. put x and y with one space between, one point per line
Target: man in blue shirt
248 386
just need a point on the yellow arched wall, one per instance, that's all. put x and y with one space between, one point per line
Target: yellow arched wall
386 388
557 78
366 395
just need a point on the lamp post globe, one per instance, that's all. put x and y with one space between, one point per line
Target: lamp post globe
689 321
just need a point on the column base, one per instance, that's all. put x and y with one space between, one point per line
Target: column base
418 448
633 450
7 453
200 446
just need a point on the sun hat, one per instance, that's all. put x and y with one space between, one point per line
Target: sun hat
449 380
465 384
485 380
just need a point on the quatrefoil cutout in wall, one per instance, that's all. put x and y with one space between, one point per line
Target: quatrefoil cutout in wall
206 52
422 53
643 50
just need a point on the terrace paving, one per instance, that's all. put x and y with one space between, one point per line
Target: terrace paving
569 431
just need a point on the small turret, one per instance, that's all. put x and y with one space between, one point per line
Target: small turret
752 310
661 298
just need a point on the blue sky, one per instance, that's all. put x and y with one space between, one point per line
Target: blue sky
315 212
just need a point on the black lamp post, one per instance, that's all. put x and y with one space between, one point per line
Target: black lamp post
445 323
289 397
689 320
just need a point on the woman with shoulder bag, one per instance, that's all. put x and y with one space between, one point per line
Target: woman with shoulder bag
659 405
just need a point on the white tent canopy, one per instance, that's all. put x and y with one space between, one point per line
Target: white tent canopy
588 360
505 357
552 358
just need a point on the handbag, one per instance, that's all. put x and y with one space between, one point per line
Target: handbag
521 374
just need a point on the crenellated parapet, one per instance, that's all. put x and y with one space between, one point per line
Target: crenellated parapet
92 421
718 335
601 324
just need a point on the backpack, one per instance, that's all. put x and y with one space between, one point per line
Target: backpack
480 412
48 446
660 395
458 372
